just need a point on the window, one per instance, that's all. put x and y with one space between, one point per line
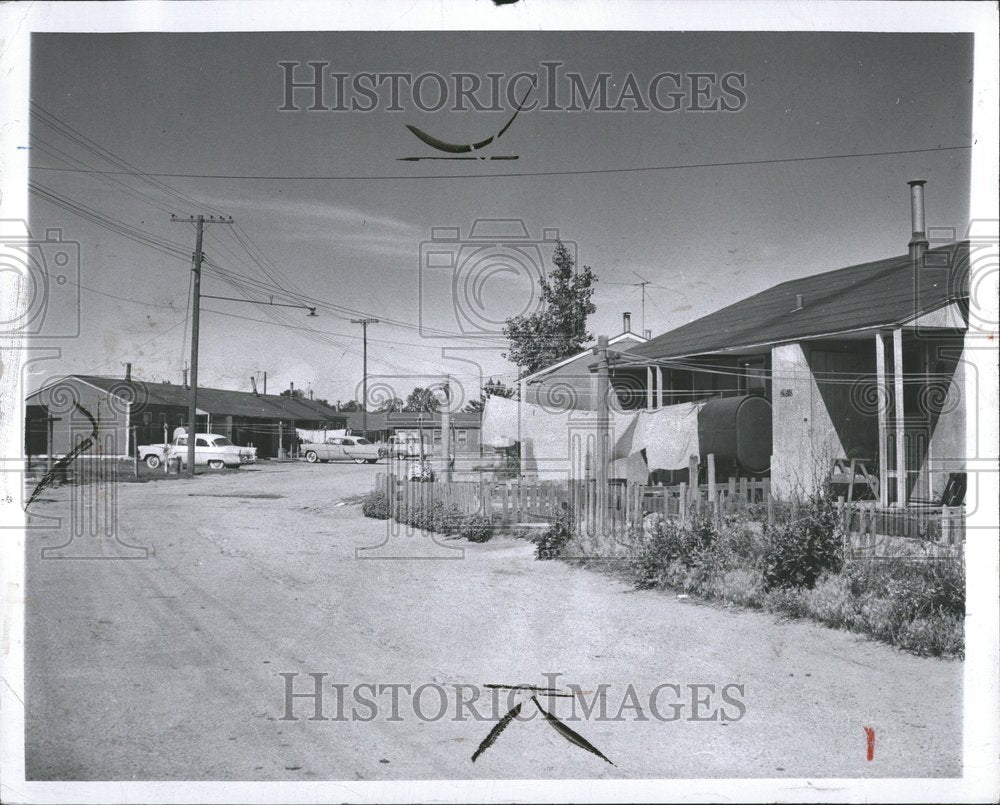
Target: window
222 441
361 441
199 442
753 376
462 438
147 418
437 438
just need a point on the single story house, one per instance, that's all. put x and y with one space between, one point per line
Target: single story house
863 363
465 428
570 384
130 412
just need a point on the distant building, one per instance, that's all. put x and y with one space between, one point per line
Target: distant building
465 428
130 412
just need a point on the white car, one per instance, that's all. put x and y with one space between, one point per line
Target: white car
344 448
209 449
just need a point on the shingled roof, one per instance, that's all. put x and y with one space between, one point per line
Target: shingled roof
883 293
216 401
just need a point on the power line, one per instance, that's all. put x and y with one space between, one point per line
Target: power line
585 172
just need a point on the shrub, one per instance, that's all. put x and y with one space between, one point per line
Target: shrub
798 550
376 504
476 528
552 541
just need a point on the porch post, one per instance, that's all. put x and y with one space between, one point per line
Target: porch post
882 401
659 387
899 414
649 388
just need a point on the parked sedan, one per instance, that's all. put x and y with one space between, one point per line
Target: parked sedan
344 448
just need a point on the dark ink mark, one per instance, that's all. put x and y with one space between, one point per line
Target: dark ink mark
870 741
499 727
569 734
66 460
474 159
465 148
563 729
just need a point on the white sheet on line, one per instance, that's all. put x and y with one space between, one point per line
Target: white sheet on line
669 436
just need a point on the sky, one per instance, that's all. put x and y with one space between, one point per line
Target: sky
343 222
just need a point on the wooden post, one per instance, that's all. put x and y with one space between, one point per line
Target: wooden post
693 490
882 399
945 526
712 493
135 448
682 502
899 415
843 525
649 388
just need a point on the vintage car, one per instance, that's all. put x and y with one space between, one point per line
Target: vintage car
209 449
344 448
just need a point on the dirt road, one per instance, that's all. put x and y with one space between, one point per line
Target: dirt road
168 667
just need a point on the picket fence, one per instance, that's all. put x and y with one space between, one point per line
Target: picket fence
524 503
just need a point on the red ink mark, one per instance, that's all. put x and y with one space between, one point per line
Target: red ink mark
870 735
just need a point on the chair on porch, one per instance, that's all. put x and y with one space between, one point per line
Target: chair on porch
854 472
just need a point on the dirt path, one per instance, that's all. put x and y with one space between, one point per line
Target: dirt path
168 667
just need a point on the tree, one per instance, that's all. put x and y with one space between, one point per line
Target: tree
559 329
390 405
296 393
491 388
422 399
349 406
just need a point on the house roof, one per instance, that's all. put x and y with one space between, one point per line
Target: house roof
215 401
619 343
883 293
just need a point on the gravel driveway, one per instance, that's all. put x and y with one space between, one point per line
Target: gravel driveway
169 667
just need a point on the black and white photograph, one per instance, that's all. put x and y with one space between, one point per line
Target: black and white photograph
499 402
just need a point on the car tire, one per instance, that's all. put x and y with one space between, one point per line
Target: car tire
372 460
311 457
216 464
152 461
360 460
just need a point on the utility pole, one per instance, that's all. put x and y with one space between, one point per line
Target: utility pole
446 428
603 421
199 221
364 387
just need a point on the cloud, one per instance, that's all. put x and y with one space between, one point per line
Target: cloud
342 225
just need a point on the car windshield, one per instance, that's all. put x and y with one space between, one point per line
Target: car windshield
222 441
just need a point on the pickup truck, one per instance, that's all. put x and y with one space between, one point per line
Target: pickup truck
209 448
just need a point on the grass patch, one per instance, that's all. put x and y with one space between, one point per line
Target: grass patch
796 568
